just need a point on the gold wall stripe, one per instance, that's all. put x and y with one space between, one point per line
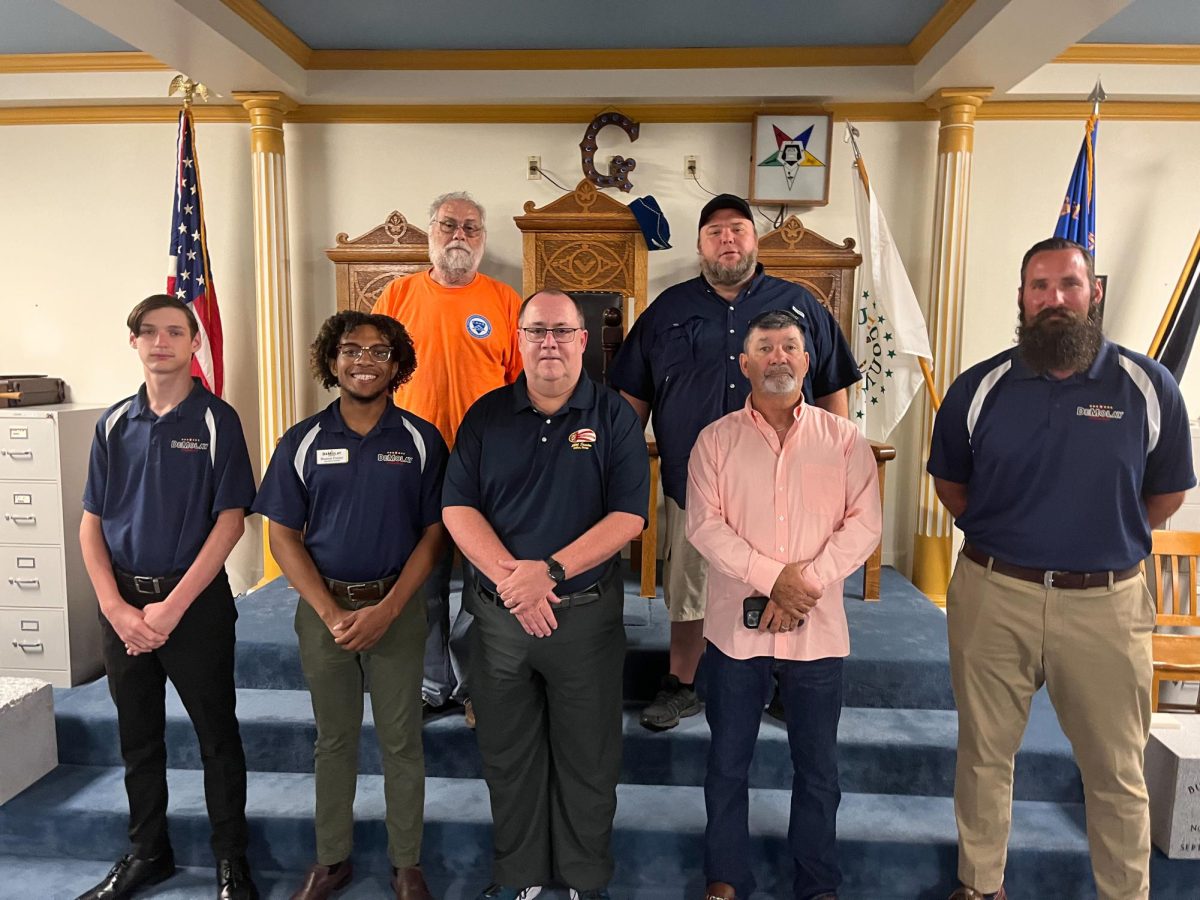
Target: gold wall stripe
639 58
1132 54
937 26
265 23
118 61
581 113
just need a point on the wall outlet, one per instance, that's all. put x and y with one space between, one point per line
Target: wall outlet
690 164
534 169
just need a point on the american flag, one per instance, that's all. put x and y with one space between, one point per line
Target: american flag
189 276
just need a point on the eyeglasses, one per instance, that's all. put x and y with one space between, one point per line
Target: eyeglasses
449 226
379 353
561 335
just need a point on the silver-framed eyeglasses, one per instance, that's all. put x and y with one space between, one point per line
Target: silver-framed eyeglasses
449 226
537 334
379 352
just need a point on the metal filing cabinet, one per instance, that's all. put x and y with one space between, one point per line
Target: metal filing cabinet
48 615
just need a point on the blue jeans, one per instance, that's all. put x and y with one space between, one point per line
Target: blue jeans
447 649
738 689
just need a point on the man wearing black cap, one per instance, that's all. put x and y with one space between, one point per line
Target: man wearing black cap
680 362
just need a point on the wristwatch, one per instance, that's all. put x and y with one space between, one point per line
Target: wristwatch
555 570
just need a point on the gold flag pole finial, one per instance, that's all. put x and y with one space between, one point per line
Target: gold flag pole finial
181 84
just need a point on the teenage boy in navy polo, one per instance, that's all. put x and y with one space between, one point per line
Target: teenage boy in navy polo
354 499
168 487
680 362
1057 457
548 480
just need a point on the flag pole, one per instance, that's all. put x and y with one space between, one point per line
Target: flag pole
1173 304
861 166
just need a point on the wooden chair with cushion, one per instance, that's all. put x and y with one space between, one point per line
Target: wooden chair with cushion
1173 558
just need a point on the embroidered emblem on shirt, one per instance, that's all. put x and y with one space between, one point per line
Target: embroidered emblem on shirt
393 457
1100 411
583 439
333 457
190 445
478 326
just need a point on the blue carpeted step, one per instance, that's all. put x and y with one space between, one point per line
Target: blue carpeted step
882 751
894 846
898 647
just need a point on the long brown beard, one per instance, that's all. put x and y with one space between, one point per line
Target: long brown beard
1050 342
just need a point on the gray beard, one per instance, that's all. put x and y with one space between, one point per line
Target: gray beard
715 273
1047 345
780 383
454 265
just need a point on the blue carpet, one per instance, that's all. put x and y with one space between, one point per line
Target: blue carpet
896 751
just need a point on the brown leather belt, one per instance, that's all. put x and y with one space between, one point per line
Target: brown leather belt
354 595
1049 578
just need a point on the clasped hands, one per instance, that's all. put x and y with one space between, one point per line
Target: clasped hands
792 596
528 593
146 629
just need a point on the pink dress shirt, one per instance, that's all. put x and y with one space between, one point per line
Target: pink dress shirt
753 506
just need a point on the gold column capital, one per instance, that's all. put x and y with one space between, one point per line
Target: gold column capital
956 109
267 110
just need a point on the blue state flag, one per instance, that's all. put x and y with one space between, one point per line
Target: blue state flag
1077 219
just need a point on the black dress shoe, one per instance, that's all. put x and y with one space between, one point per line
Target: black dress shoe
234 881
130 875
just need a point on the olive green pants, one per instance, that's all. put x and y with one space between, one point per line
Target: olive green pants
336 678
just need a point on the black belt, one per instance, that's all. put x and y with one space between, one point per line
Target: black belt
146 585
1050 578
357 594
578 598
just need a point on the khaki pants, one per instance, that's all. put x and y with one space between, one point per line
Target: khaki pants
336 678
685 571
1092 650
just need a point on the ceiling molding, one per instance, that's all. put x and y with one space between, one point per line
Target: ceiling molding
268 25
1110 110
117 61
1132 54
116 115
651 58
935 29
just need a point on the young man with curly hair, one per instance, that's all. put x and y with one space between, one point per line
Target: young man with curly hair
353 497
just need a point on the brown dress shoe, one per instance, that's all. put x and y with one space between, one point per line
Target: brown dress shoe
968 893
409 884
719 890
321 881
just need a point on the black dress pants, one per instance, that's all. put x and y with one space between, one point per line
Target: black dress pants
198 658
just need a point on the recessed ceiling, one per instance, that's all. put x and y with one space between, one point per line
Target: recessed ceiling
42 26
1151 22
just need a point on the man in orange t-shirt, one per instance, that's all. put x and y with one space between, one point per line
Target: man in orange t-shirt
464 328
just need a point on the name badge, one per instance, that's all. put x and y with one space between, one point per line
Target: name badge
333 457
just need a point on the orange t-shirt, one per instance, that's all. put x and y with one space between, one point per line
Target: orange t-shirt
466 343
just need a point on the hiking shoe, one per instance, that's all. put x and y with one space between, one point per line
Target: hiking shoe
500 892
672 703
596 894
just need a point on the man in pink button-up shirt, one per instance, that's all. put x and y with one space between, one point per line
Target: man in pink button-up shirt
783 502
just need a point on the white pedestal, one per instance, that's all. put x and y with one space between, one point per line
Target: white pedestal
1173 779
28 746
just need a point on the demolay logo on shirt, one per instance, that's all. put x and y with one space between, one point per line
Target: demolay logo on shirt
190 445
478 326
394 457
1100 412
583 439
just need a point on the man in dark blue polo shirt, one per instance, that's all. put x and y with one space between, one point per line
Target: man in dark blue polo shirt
680 362
548 480
168 487
354 499
1057 457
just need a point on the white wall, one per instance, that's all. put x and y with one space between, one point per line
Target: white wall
85 210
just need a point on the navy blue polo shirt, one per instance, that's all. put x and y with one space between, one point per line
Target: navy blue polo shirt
158 483
1056 470
543 480
362 501
681 357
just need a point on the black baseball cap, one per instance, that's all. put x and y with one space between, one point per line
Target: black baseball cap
724 201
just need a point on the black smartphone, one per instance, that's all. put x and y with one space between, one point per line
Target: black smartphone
752 610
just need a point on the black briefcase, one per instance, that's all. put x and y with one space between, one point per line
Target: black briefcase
30 390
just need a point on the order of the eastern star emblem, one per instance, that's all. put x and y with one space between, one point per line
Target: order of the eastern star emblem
792 153
583 439
478 326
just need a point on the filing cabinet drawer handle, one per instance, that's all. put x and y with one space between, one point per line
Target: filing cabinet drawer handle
17 454
25 582
21 520
30 646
